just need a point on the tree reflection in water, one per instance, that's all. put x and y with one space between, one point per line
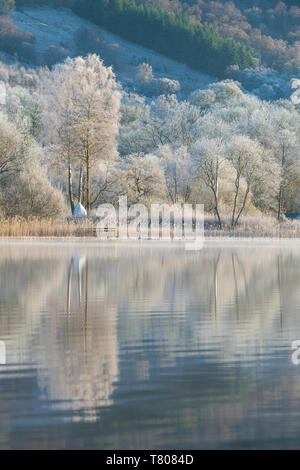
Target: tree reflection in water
192 343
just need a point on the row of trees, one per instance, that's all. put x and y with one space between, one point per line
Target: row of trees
244 151
221 147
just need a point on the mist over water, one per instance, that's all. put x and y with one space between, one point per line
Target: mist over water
149 346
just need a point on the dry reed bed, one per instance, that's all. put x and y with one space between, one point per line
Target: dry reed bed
261 226
254 226
18 227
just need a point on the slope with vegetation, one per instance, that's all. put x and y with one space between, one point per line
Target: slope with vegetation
173 35
209 35
200 27
271 27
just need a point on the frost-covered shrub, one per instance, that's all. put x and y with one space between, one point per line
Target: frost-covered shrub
261 81
54 55
15 75
90 41
16 42
202 98
144 74
30 194
164 86
150 86
225 90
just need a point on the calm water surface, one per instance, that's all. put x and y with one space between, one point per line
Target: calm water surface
132 347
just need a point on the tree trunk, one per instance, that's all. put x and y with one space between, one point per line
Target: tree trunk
70 183
279 204
88 183
216 196
237 188
243 205
217 208
281 186
80 194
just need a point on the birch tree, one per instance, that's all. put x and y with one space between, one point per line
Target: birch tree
208 158
245 156
84 99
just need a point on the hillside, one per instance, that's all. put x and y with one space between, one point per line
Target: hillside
51 35
271 27
56 31
174 35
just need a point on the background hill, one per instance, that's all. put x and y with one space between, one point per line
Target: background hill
58 33
43 36
271 27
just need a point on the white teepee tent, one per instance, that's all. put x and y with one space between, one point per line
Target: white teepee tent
79 211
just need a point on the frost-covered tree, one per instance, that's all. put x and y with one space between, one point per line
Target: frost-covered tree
84 99
245 155
216 93
24 109
144 178
105 182
133 137
286 151
204 99
226 90
207 162
59 117
144 74
13 149
178 174
166 121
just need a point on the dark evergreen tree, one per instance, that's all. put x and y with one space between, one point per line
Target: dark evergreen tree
173 35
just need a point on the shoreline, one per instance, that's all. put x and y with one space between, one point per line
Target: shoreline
237 240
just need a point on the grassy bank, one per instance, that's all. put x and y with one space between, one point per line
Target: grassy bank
249 227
